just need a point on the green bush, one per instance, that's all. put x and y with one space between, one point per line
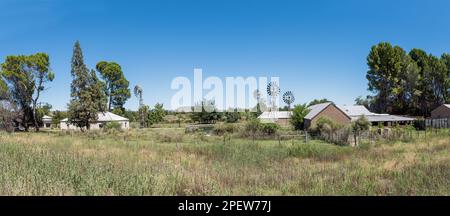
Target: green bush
222 129
254 128
232 117
269 129
298 115
112 126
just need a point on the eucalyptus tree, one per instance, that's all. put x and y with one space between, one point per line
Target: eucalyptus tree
117 86
26 78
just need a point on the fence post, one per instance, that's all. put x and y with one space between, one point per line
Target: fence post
306 137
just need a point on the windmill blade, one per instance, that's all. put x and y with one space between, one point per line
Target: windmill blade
288 97
273 89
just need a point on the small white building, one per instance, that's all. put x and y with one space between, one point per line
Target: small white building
102 120
279 117
46 121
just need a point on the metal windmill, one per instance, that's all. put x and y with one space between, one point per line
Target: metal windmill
273 90
257 96
138 92
288 98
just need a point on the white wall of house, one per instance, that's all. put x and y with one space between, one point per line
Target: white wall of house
124 125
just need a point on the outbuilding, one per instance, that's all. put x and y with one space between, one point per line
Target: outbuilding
103 118
46 121
356 111
278 117
326 110
442 112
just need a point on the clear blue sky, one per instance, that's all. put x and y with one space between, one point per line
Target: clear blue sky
317 48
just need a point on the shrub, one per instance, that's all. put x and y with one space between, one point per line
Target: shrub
222 129
206 128
206 113
332 132
298 115
169 137
112 126
232 117
325 125
252 127
269 129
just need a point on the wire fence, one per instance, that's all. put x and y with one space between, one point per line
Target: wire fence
347 137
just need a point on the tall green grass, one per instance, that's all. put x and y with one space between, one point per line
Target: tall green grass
146 162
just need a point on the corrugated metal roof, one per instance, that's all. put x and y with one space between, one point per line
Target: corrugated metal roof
355 110
275 115
106 117
316 109
384 118
46 117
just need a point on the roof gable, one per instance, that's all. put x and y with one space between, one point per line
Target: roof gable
314 110
355 110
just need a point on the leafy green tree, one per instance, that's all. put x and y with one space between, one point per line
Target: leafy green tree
367 102
3 89
404 92
43 109
432 82
117 86
207 112
58 116
9 113
87 95
232 116
144 110
118 111
298 116
446 59
319 101
132 116
439 81
385 64
27 77
157 114
361 124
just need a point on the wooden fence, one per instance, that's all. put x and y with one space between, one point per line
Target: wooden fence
437 123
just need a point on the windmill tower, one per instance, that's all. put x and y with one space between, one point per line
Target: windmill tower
288 98
273 90
138 93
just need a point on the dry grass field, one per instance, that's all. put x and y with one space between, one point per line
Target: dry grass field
169 162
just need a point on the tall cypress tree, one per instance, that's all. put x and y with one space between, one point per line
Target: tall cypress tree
86 92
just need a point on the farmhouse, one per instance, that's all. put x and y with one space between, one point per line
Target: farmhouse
346 114
278 117
441 112
102 120
327 110
46 121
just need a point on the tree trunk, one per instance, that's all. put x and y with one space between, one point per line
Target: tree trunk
109 102
38 92
36 126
